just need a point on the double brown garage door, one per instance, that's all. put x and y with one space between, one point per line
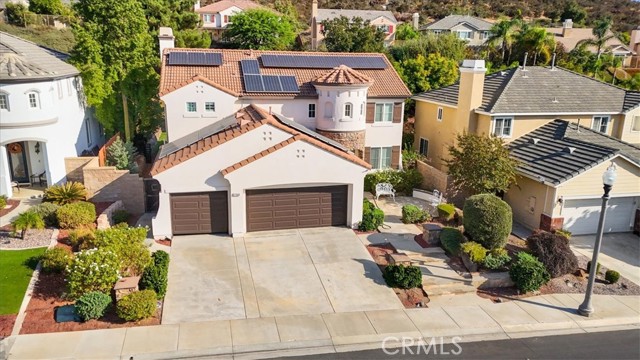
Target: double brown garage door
199 213
293 208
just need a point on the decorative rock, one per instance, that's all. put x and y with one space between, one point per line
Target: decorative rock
470 265
431 233
493 280
125 286
399 259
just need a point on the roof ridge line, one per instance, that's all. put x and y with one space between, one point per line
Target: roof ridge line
504 88
600 134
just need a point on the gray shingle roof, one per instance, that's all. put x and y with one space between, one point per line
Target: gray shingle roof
450 21
330 14
543 90
548 159
23 60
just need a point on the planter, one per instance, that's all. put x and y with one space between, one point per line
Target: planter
470 265
431 233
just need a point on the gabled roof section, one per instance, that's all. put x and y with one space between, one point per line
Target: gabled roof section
450 21
575 35
229 128
631 100
196 79
560 150
222 5
342 75
370 15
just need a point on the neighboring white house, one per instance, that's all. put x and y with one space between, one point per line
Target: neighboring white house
43 117
298 154
216 16
474 30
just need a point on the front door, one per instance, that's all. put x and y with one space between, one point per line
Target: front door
17 155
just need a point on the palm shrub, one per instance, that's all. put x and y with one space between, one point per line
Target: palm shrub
93 270
92 305
137 305
56 260
554 252
66 193
47 211
156 275
75 215
487 220
496 259
403 277
528 273
412 214
446 211
451 240
475 251
372 217
26 221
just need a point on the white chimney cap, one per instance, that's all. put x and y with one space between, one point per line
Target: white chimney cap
473 65
165 32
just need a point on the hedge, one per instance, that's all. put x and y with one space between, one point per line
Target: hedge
487 220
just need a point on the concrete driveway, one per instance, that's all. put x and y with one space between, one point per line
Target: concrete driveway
619 251
275 273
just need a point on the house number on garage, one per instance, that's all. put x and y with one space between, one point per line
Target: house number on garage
235 194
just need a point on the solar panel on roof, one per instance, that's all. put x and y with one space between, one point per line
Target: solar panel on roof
195 58
323 61
289 84
253 83
180 143
250 66
271 83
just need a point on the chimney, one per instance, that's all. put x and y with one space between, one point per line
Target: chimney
416 21
635 39
315 27
567 27
196 5
472 74
166 39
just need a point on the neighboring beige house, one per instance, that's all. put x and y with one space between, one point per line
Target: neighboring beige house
381 19
634 63
569 37
474 30
215 17
560 181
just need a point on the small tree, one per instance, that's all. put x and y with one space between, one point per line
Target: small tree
121 155
481 163
260 29
406 32
352 35
26 221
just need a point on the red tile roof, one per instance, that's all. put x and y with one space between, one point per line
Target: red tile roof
342 75
222 5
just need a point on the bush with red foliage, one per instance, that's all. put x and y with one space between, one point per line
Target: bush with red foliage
554 252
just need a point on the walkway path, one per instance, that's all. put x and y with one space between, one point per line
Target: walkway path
24 205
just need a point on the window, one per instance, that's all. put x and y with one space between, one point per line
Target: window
192 107
69 86
484 35
384 113
348 110
440 113
424 147
384 28
87 129
362 109
33 100
635 124
381 158
600 123
4 102
312 110
206 18
437 32
502 127
209 106
464 34
328 109
226 18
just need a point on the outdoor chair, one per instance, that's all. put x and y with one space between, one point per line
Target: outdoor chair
385 189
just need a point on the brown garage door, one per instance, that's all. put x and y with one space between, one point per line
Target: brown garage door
199 213
293 208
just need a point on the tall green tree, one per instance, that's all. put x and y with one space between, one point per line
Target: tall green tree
406 32
481 164
448 45
538 41
288 10
352 35
178 15
601 35
47 7
502 35
426 73
573 11
260 29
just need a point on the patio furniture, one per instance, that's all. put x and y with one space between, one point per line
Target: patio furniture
385 189
15 184
40 178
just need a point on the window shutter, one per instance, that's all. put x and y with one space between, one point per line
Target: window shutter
390 29
395 157
367 154
397 112
371 113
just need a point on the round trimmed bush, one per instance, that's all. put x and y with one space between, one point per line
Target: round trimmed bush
446 211
92 305
47 211
403 277
412 214
451 240
496 259
137 305
487 220
528 273
56 260
372 217
612 276
75 215
554 252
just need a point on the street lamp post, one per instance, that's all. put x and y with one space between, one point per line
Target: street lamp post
608 178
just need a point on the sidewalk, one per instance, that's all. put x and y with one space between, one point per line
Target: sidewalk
330 333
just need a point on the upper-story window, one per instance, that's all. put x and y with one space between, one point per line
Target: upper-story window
635 124
348 110
600 123
437 32
385 28
206 18
192 107
440 113
312 110
209 106
4 102
464 34
502 127
34 101
328 109
384 113
226 18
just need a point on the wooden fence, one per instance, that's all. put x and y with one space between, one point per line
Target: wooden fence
102 153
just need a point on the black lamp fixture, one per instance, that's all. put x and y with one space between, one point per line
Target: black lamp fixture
37 147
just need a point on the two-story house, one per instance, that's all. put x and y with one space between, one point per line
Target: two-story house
511 104
263 140
382 19
474 30
217 16
43 116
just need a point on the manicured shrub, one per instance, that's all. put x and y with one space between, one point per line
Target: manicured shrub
554 252
487 220
66 193
372 217
120 216
476 252
612 276
56 260
156 275
93 270
451 240
496 259
47 211
92 305
128 244
82 239
3 201
403 181
412 214
403 277
597 267
75 215
446 211
136 306
26 221
528 273
563 232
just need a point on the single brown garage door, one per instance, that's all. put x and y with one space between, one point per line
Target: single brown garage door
199 213
293 208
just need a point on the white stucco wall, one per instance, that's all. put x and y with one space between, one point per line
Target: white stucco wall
338 97
384 134
293 109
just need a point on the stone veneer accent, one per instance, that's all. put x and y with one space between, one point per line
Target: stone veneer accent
105 219
352 140
547 223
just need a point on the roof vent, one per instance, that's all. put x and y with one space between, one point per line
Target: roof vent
555 100
534 140
569 149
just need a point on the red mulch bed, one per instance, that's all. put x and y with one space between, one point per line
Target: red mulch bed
165 242
12 204
6 324
47 296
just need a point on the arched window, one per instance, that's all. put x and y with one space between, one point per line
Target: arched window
34 99
348 110
328 109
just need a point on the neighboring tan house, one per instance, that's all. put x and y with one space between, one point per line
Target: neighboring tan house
43 116
569 37
217 16
469 28
512 103
560 179
273 139
634 63
381 19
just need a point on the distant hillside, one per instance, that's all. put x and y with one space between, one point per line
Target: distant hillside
61 40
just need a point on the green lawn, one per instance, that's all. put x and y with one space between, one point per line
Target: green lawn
16 267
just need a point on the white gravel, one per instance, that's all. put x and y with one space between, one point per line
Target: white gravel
32 239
